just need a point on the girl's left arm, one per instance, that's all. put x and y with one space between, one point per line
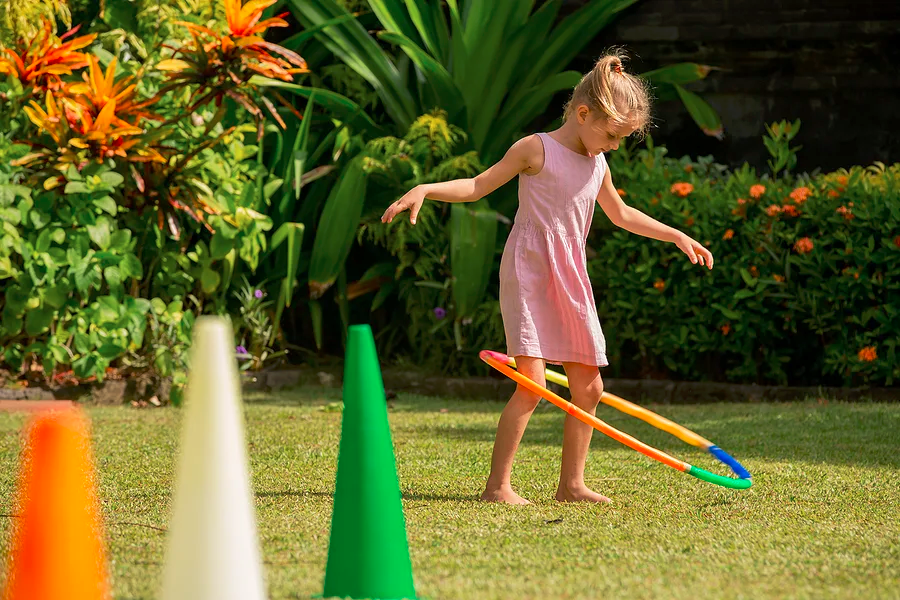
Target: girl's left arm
633 220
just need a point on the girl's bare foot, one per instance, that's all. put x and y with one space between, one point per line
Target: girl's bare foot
504 494
579 494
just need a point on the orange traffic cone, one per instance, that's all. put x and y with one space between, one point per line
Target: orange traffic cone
57 551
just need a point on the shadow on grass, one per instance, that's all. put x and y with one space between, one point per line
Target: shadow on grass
834 433
851 434
406 495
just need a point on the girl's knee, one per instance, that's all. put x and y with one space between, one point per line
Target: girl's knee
526 398
588 394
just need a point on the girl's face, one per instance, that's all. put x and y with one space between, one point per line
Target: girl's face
597 133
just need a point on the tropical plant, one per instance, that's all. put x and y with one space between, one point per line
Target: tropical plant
493 68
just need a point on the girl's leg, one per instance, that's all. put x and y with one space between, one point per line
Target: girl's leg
509 433
586 387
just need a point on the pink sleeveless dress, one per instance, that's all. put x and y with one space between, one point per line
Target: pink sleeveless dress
545 295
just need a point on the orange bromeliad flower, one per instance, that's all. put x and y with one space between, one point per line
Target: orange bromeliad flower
223 64
660 285
621 192
79 136
773 210
756 191
804 245
42 60
778 278
800 194
867 354
99 89
682 189
728 234
726 328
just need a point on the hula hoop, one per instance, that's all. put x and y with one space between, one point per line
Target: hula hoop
506 364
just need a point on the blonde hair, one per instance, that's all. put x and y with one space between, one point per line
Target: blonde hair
608 89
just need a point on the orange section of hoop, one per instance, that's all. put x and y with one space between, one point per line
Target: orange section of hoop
584 416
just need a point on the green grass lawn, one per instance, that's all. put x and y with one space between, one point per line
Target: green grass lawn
819 522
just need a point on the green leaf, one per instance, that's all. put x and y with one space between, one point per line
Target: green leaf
209 280
120 240
55 296
111 178
702 113
58 236
472 246
100 234
110 351
107 204
113 276
38 320
337 228
82 343
350 41
121 14
85 367
342 107
438 77
291 235
730 314
11 323
130 267
220 246
43 241
680 73
315 313
77 187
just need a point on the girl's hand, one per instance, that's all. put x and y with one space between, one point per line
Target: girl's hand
695 251
411 200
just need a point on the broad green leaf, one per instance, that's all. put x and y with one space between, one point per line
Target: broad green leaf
568 38
346 109
120 240
77 187
472 246
112 179
55 296
106 204
440 80
315 313
209 280
110 351
679 73
350 41
702 113
292 234
121 14
113 276
131 267
99 233
38 320
337 228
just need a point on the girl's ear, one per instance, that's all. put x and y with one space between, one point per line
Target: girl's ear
582 113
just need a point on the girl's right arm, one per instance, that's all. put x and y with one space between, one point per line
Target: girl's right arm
525 155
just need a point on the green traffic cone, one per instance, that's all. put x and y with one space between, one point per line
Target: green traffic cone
368 555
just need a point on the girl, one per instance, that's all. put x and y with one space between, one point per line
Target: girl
546 299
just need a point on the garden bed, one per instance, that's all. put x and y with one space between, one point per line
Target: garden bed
396 380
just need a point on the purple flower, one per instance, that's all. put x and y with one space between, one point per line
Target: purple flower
240 350
440 313
258 294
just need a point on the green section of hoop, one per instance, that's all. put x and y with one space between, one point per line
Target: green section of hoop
729 482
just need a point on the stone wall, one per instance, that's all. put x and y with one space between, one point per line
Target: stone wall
831 63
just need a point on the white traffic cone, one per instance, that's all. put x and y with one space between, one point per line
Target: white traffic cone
213 553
